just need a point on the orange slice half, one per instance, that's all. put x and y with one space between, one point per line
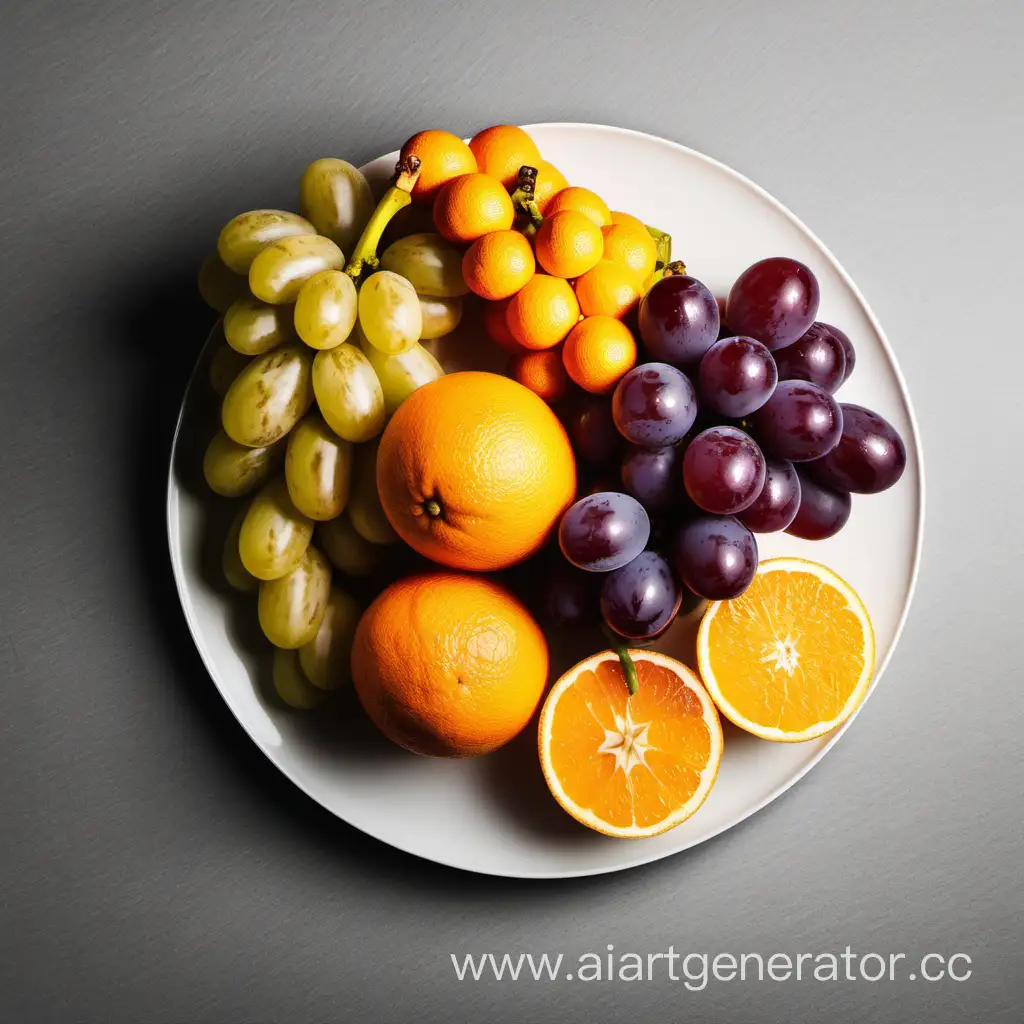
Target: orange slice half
792 658
630 766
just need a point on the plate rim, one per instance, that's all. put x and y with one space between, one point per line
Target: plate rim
642 859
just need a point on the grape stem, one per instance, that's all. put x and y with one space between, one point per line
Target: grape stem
397 197
523 196
675 267
625 660
663 245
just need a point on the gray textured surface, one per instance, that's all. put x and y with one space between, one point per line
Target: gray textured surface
155 867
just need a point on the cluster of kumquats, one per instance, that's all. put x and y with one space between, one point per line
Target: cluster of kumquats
561 275
401 515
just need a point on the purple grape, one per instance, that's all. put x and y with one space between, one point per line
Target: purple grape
869 458
723 470
774 301
654 405
817 356
592 432
654 476
822 512
848 350
775 507
737 376
715 556
641 599
570 598
798 423
678 319
604 531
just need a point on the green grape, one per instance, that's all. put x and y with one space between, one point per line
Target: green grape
348 393
225 366
233 469
440 316
291 685
317 467
219 286
326 659
336 198
389 312
239 578
253 327
274 534
246 235
347 551
364 507
280 270
291 607
401 375
269 396
326 309
432 265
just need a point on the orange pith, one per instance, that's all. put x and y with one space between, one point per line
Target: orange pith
582 200
633 247
542 312
474 471
502 149
470 206
443 156
630 766
498 264
608 289
792 657
568 244
598 352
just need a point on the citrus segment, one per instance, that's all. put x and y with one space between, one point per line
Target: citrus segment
630 766
792 658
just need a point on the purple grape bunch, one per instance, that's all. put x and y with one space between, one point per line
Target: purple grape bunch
725 429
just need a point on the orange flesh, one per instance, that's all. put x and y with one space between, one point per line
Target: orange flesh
788 653
679 744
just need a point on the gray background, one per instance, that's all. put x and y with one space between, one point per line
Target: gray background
155 866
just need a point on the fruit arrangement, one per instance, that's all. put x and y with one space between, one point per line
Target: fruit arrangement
419 536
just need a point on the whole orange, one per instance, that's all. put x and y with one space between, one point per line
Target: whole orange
549 181
542 372
609 289
498 264
474 471
502 149
542 312
582 200
471 205
443 156
633 247
618 217
449 665
496 326
568 243
598 352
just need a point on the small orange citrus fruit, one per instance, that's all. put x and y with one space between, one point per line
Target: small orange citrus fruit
498 264
549 181
793 656
609 289
474 471
630 766
598 352
542 372
568 244
582 200
502 149
542 312
470 206
632 247
618 217
497 328
443 156
449 665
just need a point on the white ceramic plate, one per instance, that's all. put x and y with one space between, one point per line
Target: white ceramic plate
493 814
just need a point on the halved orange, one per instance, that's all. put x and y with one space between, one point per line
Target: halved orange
630 766
792 657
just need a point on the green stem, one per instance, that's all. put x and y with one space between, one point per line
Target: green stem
396 198
663 245
625 660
